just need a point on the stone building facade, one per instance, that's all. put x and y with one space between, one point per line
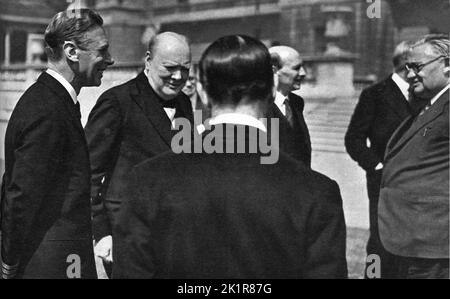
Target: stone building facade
361 33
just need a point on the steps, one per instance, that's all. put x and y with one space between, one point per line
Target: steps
327 122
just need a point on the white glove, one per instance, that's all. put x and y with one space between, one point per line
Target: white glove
104 249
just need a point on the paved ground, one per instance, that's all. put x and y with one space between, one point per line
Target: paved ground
352 183
356 253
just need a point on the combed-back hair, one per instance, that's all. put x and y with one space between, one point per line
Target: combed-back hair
439 42
70 25
236 68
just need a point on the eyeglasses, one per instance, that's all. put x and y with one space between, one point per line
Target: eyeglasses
417 67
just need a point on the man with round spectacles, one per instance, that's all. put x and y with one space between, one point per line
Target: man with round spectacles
413 212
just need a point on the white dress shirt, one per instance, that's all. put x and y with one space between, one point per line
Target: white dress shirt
434 99
65 83
402 85
280 101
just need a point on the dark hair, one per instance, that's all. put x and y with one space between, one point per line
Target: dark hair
70 25
234 68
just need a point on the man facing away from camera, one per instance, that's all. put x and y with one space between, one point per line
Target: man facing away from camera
225 214
413 212
46 210
131 123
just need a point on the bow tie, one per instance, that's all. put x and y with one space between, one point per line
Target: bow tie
169 103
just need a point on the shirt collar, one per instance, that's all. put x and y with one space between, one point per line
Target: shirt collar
279 99
65 83
402 85
434 99
238 119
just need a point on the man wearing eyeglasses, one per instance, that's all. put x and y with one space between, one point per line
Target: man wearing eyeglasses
381 108
413 212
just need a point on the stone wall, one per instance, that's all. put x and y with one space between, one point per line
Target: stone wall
15 80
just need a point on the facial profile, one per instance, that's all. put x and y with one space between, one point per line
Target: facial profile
94 58
429 78
167 64
291 71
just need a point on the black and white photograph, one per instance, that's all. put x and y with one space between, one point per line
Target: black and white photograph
224 145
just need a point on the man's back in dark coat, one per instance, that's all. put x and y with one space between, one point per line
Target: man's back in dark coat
229 216
46 212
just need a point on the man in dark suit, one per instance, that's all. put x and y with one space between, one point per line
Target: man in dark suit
288 107
227 214
380 110
46 211
133 122
413 212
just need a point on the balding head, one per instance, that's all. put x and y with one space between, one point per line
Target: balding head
167 41
167 64
288 68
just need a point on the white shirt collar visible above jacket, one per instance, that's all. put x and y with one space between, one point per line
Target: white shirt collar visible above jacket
402 85
280 102
434 99
238 119
65 83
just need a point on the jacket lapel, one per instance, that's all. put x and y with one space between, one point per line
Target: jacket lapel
66 100
395 99
413 125
148 101
276 113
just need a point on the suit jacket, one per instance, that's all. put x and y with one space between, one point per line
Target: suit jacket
127 126
414 198
380 110
46 211
295 141
229 216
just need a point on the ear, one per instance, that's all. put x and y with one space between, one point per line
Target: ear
71 51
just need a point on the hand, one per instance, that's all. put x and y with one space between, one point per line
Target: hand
379 166
104 249
9 272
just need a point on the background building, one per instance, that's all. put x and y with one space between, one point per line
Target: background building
346 44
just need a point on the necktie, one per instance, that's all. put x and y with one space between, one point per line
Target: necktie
78 110
289 114
427 106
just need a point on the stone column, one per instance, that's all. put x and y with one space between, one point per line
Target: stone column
125 22
7 47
